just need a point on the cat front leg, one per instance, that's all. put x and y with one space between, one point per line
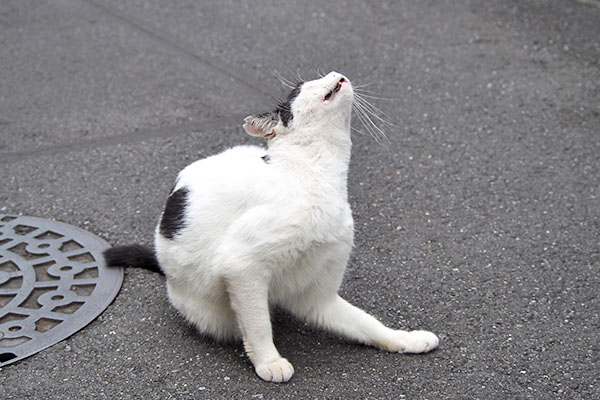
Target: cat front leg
339 316
249 301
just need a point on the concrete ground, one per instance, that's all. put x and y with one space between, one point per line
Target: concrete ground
479 220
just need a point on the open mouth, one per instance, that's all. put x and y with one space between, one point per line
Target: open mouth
333 91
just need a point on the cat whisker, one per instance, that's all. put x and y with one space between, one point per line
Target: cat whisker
286 82
370 112
369 123
370 95
373 111
370 126
361 85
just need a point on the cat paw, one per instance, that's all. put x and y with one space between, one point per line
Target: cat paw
420 342
279 370
411 342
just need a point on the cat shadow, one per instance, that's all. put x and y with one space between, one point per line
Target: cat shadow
291 336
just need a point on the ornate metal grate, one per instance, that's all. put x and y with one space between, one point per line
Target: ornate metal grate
53 282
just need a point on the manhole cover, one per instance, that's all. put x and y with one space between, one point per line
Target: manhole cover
53 282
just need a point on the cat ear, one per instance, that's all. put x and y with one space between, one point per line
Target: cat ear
262 125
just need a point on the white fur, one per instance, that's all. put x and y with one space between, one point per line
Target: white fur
280 233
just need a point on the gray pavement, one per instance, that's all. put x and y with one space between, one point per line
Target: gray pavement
478 221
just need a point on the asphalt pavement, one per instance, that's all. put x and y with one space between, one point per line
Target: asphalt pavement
479 220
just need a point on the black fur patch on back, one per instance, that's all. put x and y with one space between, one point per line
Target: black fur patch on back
172 219
284 109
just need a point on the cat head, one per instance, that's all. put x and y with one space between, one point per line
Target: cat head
310 104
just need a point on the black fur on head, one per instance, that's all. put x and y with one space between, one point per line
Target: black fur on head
284 108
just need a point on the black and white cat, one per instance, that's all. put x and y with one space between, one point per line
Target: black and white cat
252 228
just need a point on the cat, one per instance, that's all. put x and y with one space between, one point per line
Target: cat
252 228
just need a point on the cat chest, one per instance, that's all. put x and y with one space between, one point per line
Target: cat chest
329 221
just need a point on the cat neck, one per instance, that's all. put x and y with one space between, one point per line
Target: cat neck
322 157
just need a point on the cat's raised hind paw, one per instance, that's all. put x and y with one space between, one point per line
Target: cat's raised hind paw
279 370
411 342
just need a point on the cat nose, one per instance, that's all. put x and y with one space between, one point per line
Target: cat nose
336 76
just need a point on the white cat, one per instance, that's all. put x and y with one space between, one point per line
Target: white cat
251 228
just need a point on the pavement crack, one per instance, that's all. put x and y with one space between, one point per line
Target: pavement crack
124 138
162 37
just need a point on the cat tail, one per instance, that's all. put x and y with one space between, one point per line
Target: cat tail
132 256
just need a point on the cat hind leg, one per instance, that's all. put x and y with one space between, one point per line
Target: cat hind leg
342 318
211 316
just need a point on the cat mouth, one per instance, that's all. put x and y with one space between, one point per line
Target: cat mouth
333 91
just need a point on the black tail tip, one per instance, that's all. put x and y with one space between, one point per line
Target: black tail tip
136 255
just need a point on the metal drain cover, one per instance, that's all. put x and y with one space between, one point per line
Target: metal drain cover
53 282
